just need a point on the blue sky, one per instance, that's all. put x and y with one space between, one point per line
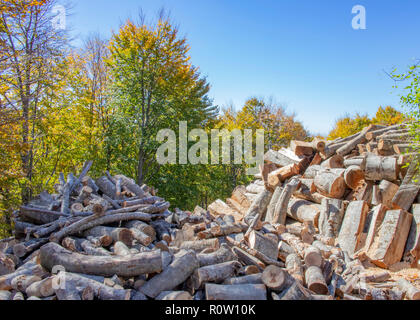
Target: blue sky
303 53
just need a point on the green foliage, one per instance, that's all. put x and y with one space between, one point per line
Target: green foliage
411 101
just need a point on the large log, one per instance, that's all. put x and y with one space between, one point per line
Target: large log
143 263
236 292
280 211
183 265
387 191
224 254
352 227
330 185
388 247
216 273
379 168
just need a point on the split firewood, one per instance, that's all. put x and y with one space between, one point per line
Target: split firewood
284 251
408 190
281 158
388 246
412 248
278 176
294 267
335 161
263 244
352 227
248 259
301 148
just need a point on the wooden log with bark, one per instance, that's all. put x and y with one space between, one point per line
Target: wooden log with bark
252 292
216 273
330 185
183 265
143 263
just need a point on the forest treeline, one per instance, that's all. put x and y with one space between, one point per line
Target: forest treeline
106 101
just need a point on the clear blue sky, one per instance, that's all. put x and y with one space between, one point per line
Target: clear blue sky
303 53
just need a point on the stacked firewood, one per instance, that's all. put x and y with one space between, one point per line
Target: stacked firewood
310 227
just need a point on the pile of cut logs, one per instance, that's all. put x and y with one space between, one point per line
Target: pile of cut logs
310 227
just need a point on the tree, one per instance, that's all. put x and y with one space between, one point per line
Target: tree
154 87
411 100
32 54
